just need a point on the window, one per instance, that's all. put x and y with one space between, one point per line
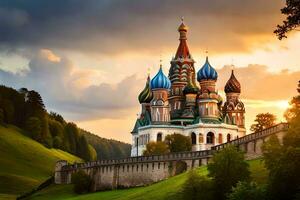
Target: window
193 138
220 138
228 137
159 137
210 137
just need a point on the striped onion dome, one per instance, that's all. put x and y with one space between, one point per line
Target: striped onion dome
207 72
232 85
160 81
146 95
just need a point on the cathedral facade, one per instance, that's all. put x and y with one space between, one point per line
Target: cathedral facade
188 103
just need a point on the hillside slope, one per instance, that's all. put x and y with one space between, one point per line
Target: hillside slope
163 190
107 148
25 163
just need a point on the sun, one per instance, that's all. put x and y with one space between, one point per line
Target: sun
284 104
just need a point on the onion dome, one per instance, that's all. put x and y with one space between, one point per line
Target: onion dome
146 95
232 85
190 88
160 81
207 72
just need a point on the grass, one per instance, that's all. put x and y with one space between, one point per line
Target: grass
163 190
25 163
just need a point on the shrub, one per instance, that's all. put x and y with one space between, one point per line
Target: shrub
247 191
197 187
82 182
178 142
155 148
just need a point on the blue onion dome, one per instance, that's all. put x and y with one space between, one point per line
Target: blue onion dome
160 81
207 72
190 88
146 95
232 85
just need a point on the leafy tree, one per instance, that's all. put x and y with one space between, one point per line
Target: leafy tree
178 143
197 187
283 161
57 142
56 128
71 137
263 121
82 182
57 117
292 21
92 152
227 168
83 149
34 127
247 191
155 148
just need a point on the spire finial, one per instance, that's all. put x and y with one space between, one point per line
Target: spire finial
182 19
160 60
148 71
232 65
206 53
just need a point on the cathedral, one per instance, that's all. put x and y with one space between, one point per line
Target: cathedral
180 104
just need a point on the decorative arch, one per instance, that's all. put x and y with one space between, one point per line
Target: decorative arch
228 137
201 140
210 138
159 137
220 141
193 138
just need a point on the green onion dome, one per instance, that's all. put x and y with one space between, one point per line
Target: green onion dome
232 85
146 95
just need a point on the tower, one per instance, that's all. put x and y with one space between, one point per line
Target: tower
182 66
145 97
160 108
233 109
208 98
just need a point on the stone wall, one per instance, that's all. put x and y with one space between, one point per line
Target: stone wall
144 170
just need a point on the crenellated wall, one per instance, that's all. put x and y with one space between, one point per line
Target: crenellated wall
144 170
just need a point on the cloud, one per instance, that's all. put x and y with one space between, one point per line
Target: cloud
67 89
112 27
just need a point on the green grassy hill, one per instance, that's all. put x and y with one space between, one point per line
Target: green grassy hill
25 163
163 190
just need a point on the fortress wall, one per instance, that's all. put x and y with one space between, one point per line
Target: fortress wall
144 170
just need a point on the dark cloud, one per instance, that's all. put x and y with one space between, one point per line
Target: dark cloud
66 90
114 26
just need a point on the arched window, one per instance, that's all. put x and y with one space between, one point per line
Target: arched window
193 138
200 138
220 138
210 138
159 137
228 137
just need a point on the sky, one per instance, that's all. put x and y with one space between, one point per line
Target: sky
89 59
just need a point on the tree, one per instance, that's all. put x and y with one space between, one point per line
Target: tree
247 191
197 187
34 127
82 182
178 143
227 168
263 121
156 148
283 161
292 21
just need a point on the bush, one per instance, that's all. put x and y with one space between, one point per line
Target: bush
178 143
247 191
155 148
197 187
82 182
227 168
